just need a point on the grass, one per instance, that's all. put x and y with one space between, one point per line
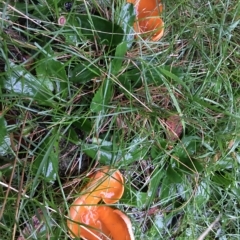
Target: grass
70 104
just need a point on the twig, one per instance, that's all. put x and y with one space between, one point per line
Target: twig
205 233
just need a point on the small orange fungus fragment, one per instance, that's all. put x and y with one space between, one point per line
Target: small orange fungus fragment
93 222
148 18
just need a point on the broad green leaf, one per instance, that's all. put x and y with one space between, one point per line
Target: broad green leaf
173 176
96 28
108 153
185 151
119 57
102 97
236 191
134 151
5 143
169 185
175 74
134 198
202 194
155 183
150 74
72 136
190 165
46 163
222 180
101 150
131 79
84 72
83 124
126 19
104 154
156 150
53 71
22 82
226 162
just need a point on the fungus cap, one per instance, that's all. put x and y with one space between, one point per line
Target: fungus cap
99 222
107 185
148 20
90 221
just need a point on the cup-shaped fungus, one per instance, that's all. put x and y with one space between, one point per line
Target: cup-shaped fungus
148 20
107 185
90 221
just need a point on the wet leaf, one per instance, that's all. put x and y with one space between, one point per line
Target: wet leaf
108 153
134 77
134 198
202 194
46 162
84 72
222 180
53 71
135 151
94 28
119 57
126 19
104 154
102 97
170 182
156 180
83 124
173 176
22 82
5 143
184 152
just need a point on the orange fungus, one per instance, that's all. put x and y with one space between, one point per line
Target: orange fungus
91 221
148 20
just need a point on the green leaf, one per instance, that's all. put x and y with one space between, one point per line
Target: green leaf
133 78
5 143
156 150
222 180
83 124
169 184
190 165
156 180
46 163
159 224
202 194
97 29
102 97
104 156
225 163
173 176
135 151
108 153
22 82
102 150
185 151
173 73
126 19
119 57
84 72
53 71
134 198
152 75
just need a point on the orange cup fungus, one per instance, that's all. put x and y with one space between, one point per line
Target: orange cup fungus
93 222
148 19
